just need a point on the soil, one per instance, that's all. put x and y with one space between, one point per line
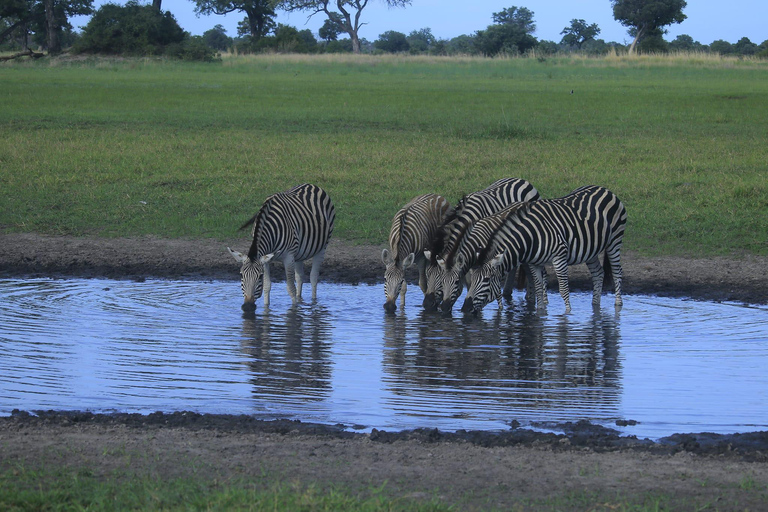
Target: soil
471 470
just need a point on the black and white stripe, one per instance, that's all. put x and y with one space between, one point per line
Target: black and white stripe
469 210
291 227
567 231
413 229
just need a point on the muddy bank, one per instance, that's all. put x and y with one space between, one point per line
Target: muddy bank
719 279
588 468
573 436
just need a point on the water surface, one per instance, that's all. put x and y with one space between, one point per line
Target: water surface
101 345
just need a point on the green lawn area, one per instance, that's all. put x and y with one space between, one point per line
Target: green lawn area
105 147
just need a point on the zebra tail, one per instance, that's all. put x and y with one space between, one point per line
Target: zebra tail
248 222
608 277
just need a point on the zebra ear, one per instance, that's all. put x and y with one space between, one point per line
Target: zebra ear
441 262
267 258
460 261
386 258
408 261
239 257
428 254
496 261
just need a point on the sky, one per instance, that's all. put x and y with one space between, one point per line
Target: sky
708 20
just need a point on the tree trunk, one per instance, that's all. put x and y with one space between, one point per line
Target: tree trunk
640 32
158 4
51 28
355 41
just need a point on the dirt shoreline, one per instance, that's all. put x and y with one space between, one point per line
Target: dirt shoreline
743 279
471 470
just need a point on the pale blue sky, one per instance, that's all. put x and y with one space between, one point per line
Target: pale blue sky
707 21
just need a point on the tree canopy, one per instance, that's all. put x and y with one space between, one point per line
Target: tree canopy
133 29
647 17
45 18
512 33
579 33
347 12
260 14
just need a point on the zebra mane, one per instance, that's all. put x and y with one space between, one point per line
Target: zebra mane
514 211
257 220
401 217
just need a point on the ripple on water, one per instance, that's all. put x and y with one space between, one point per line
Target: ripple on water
673 365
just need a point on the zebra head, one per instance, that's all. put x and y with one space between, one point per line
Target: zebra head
394 277
453 281
486 283
251 277
434 293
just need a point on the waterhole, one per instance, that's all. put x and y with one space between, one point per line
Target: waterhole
662 365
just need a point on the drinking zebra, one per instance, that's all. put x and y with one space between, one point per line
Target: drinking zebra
465 254
413 229
291 226
470 209
566 231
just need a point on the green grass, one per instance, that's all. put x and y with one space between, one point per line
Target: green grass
122 148
81 489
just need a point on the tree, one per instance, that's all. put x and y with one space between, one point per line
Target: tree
217 38
421 41
745 47
392 42
332 27
722 47
133 29
685 43
259 13
512 33
579 33
647 17
349 11
46 18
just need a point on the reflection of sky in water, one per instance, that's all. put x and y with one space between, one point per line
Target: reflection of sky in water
673 365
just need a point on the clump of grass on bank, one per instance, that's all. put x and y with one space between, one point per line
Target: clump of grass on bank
136 147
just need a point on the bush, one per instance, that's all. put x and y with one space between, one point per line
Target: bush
192 48
139 30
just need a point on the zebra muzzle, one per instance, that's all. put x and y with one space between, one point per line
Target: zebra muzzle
389 306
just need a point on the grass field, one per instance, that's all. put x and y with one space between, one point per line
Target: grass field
132 147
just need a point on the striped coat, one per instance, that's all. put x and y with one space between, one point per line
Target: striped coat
567 231
413 229
292 227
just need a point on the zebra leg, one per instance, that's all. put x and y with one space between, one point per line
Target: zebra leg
596 269
290 277
539 285
561 270
267 285
403 288
509 284
422 266
314 275
615 262
299 279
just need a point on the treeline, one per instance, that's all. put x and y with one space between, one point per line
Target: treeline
136 29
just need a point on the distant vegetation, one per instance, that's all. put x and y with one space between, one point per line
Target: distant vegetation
123 147
138 29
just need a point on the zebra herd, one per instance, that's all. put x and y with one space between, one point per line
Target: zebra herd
480 243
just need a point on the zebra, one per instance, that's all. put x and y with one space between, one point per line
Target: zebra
572 229
413 229
470 209
291 226
474 240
